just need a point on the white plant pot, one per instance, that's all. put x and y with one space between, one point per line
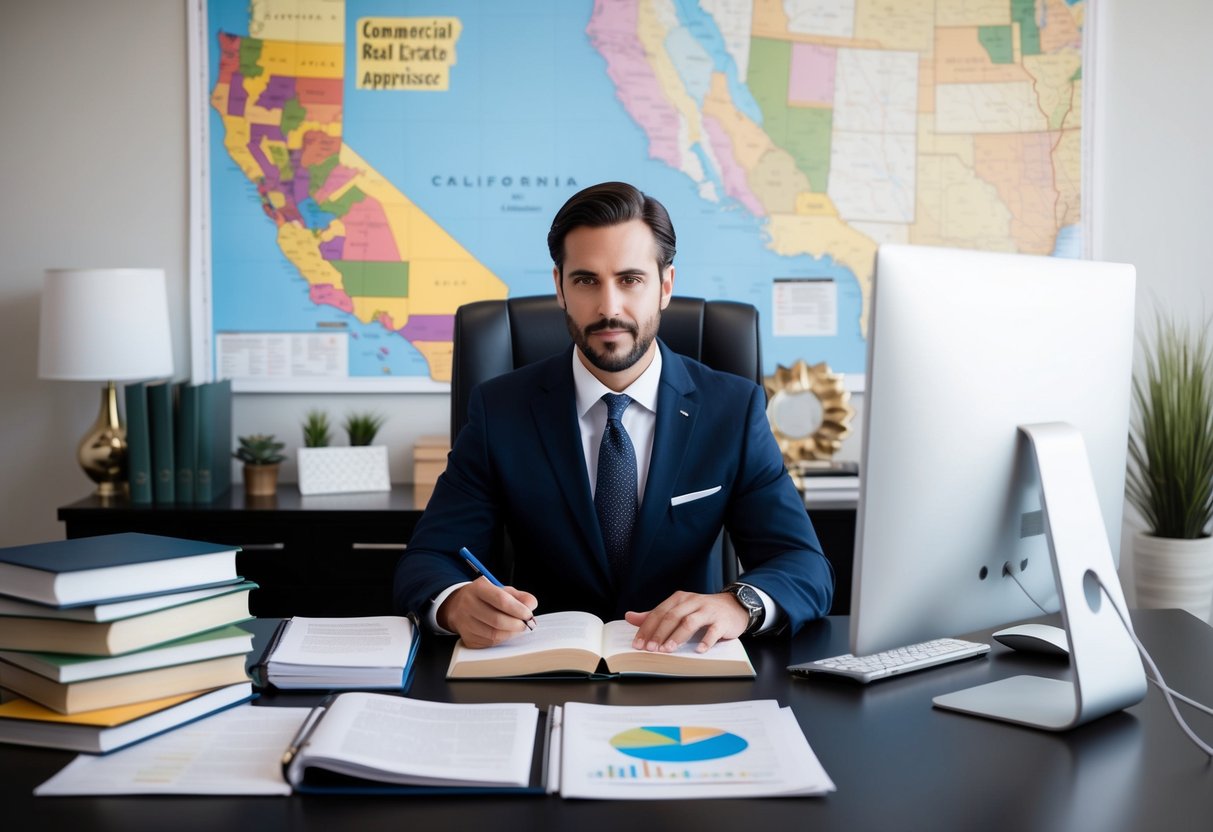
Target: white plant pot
1173 573
343 470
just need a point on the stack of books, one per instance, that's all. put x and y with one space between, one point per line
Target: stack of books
108 640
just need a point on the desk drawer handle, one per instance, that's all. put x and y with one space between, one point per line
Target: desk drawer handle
384 546
262 547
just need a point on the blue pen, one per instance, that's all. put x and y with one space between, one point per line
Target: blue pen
480 569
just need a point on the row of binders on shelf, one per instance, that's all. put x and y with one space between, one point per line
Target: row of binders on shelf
105 641
179 440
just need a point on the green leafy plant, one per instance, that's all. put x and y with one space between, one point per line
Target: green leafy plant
362 427
259 449
317 432
1170 476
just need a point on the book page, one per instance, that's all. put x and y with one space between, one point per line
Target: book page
374 641
662 752
398 740
237 751
617 639
553 631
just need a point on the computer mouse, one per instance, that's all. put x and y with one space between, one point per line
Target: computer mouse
1035 638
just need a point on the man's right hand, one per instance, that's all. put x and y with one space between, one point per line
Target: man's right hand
483 615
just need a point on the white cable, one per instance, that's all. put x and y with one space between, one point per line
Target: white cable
1157 679
1169 694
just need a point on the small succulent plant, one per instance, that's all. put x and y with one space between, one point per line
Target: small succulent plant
259 449
317 432
362 427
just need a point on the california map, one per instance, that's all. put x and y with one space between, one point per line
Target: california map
377 164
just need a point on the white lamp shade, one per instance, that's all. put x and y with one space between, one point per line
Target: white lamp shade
104 325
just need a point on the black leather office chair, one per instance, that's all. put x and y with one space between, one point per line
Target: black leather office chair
493 337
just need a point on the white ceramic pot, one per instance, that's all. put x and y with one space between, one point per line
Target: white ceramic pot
343 470
1174 573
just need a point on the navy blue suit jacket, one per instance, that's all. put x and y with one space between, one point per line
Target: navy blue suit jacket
518 465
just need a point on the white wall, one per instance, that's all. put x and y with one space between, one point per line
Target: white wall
94 172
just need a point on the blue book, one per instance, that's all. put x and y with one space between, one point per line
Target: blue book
138 443
88 570
185 436
160 417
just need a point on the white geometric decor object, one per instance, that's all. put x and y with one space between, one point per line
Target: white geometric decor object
343 470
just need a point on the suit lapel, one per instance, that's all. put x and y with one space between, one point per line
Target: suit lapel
677 409
555 413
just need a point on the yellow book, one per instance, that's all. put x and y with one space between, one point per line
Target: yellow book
99 732
579 643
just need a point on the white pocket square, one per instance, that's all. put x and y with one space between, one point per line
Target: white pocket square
694 495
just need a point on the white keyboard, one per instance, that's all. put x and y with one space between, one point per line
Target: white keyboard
896 661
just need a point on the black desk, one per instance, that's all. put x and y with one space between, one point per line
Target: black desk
898 763
335 554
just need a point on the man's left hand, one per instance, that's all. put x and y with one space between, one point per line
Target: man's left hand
675 620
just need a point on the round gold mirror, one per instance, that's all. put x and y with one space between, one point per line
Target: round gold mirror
809 412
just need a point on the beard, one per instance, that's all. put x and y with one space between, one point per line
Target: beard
614 359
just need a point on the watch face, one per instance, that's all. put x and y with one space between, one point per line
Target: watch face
747 596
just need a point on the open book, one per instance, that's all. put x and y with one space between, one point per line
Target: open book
579 642
363 739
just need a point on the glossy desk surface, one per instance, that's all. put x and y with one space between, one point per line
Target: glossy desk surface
898 763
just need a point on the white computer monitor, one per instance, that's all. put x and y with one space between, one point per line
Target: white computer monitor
964 348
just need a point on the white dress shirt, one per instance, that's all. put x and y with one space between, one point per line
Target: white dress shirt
640 421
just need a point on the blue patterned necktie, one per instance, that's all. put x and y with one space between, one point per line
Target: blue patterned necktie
615 494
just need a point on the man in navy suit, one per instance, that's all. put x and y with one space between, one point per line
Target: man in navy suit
614 508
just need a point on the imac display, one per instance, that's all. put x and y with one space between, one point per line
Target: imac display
966 348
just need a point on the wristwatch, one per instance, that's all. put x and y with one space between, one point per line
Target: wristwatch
748 598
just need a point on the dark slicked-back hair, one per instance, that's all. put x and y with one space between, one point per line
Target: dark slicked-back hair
612 203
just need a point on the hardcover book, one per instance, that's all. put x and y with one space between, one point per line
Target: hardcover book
138 443
72 667
127 689
89 570
100 732
566 643
111 638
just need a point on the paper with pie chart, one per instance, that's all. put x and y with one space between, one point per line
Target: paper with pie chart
734 749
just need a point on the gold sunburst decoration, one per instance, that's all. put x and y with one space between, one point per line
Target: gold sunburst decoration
809 412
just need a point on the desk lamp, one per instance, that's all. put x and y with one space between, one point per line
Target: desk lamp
104 325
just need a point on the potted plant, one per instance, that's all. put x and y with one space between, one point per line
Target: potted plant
1170 476
359 467
261 455
362 427
317 432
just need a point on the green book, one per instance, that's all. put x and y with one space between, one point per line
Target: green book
213 471
160 418
138 443
72 667
185 436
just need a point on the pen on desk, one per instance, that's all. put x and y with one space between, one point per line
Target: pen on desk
480 569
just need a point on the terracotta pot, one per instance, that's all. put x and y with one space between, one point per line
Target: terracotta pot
261 480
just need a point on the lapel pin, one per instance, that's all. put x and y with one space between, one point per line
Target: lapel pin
684 413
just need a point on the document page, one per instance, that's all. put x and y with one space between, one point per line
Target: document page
397 740
663 752
618 635
374 641
237 751
554 631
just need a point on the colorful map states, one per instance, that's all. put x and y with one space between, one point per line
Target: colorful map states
680 744
847 123
362 247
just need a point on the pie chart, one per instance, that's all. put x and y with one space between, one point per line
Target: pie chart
677 743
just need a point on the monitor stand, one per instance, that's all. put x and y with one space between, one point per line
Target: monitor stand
1107 671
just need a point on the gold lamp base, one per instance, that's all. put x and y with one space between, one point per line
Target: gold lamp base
102 451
